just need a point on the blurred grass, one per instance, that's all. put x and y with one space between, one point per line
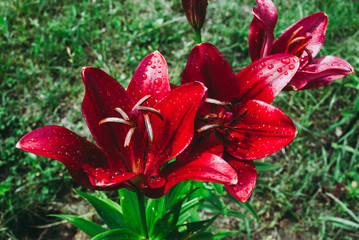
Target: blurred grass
44 44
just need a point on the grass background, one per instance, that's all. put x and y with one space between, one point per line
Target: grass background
312 194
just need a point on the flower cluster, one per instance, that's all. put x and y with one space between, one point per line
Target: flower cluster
214 124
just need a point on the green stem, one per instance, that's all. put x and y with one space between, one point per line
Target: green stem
142 207
197 33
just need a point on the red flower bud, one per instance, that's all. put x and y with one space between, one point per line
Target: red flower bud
195 11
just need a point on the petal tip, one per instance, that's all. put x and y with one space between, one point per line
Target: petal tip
18 145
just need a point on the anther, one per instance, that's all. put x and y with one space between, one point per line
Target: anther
207 127
217 102
141 101
115 120
149 109
129 136
123 114
310 56
148 128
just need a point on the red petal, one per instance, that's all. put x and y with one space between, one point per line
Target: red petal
321 71
103 95
65 146
265 78
247 176
208 167
174 133
109 179
202 142
150 78
261 35
207 65
261 130
315 24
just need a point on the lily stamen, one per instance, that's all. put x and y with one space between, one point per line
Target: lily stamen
123 113
207 127
129 136
141 101
148 128
149 109
310 56
115 120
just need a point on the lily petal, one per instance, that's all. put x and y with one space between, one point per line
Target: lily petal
315 25
208 167
104 94
265 78
320 72
174 133
67 147
261 130
109 179
207 65
261 30
150 78
247 176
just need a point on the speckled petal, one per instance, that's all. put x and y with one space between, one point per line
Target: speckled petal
104 94
247 176
261 130
67 147
207 65
261 37
320 72
174 133
150 78
315 25
265 78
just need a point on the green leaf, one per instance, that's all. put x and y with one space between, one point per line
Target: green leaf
168 222
343 223
155 209
108 210
264 166
118 234
130 209
191 230
88 227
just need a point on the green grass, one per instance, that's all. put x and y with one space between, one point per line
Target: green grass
44 44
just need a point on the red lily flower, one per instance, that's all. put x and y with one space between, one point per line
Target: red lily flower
237 122
195 11
303 39
138 131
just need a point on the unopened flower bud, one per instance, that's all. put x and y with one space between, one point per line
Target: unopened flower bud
195 11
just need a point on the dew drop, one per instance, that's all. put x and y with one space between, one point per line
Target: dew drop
295 60
270 66
241 183
150 62
33 139
291 67
158 82
285 73
236 188
285 60
159 71
263 64
144 76
45 150
279 70
153 66
136 83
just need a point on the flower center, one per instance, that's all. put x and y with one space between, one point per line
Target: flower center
298 45
132 119
223 120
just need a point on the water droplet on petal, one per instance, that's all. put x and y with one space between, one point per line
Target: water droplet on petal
158 82
150 62
285 60
153 66
144 76
270 66
291 67
279 70
33 139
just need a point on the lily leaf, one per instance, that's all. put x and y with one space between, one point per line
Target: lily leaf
88 227
118 234
108 210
